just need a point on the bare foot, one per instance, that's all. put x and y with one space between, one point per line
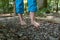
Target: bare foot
23 23
35 24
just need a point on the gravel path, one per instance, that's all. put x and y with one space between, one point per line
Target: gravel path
11 30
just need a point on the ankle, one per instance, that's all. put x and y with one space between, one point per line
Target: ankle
33 21
21 20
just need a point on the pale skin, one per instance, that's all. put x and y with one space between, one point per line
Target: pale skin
32 17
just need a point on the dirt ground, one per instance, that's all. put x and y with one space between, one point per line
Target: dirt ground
10 29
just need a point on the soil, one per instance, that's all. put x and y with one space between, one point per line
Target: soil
11 30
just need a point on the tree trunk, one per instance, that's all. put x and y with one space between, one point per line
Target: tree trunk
14 10
40 3
57 6
45 3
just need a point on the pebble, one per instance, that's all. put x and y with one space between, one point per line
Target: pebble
47 31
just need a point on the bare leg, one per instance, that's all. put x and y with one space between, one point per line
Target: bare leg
22 22
32 17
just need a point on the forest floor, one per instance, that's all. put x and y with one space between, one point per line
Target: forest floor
10 29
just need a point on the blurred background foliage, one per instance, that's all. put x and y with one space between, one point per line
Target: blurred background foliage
6 6
44 6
